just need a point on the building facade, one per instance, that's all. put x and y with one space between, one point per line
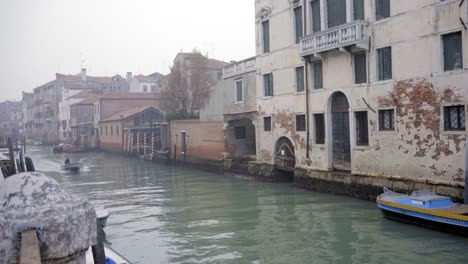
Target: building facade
372 88
145 84
27 116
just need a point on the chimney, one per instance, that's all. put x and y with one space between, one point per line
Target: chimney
83 74
129 76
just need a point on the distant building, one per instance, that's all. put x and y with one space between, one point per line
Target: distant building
27 116
145 84
10 121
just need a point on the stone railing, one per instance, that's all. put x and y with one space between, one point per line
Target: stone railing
240 67
354 33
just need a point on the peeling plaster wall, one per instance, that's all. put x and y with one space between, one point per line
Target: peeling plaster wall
418 91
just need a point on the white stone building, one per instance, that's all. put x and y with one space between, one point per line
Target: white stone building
372 88
145 84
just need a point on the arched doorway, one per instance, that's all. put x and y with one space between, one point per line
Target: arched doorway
284 155
340 132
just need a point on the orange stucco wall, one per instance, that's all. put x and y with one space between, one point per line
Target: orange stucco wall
112 140
205 138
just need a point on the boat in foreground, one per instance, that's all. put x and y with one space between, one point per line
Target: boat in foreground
112 257
425 208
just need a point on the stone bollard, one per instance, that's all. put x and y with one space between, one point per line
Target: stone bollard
68 223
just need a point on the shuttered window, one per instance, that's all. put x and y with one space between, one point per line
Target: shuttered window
267 123
316 20
298 23
382 9
362 135
358 9
360 68
239 91
453 55
300 79
384 63
300 123
317 70
266 36
268 84
336 12
319 122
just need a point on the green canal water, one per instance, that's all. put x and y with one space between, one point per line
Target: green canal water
162 214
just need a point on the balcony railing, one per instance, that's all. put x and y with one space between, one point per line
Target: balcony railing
464 12
354 33
238 68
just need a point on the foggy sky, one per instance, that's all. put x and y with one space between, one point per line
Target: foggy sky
39 38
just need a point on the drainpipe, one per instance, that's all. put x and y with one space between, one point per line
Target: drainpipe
466 170
306 82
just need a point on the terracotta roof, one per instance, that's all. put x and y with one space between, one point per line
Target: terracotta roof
147 96
81 86
84 94
128 113
143 78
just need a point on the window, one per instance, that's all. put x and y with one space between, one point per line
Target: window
239 90
452 50
360 68
319 128
112 130
382 9
101 131
106 130
316 20
145 88
298 23
300 79
266 36
386 120
317 73
362 136
117 130
239 132
268 84
300 123
454 118
183 141
267 123
384 63
153 88
336 12
358 9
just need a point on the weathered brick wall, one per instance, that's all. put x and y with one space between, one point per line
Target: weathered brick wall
205 138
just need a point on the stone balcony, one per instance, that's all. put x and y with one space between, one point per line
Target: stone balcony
353 33
239 68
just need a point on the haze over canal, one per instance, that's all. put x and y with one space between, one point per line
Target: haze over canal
162 214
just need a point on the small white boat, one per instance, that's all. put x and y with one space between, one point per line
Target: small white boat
102 216
112 257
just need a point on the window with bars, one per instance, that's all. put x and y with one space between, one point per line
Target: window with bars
384 63
362 134
267 123
336 12
239 91
360 68
239 132
387 120
452 50
266 36
319 122
382 9
316 20
317 73
300 79
358 9
298 23
268 84
454 118
300 122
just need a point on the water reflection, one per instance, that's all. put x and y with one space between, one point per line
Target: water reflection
161 214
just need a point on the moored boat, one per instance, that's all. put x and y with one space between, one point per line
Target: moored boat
425 208
112 256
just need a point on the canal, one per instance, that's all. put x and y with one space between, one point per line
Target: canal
162 214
